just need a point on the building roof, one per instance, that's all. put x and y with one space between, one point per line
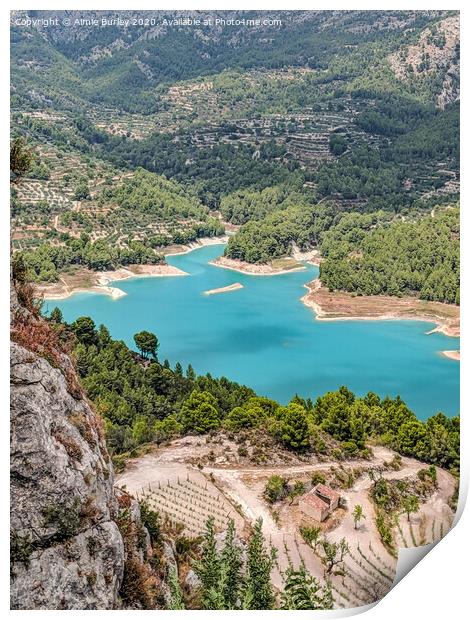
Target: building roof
325 491
314 501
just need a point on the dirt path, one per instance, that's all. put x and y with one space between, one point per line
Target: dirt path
380 454
370 569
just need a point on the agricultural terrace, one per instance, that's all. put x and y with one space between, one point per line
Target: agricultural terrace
193 478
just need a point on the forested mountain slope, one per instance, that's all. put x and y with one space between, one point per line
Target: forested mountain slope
288 122
420 257
99 64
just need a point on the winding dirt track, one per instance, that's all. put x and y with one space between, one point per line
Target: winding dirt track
370 567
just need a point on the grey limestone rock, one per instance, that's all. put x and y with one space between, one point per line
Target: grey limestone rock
67 551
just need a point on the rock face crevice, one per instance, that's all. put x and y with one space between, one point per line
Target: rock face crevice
67 551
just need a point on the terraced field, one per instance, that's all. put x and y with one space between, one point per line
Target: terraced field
190 502
169 479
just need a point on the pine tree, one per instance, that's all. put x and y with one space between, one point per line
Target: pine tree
215 596
176 596
147 343
56 315
208 567
231 558
258 588
21 157
178 369
294 427
302 591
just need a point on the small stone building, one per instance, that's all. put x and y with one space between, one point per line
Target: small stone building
328 495
319 502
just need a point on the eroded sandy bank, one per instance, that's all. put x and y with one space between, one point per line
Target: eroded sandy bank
176 250
274 268
224 289
87 281
341 306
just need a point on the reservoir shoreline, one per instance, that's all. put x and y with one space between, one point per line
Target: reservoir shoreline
255 269
340 306
88 281
264 338
327 305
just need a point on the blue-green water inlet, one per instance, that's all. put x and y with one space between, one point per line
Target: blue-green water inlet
263 336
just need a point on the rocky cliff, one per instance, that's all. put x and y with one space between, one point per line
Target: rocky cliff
437 54
67 548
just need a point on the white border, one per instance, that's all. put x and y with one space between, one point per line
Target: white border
437 588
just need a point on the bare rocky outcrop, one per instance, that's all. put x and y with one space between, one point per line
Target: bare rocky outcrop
435 53
67 551
69 527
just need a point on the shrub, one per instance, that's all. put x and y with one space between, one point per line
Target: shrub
317 478
65 518
151 520
380 493
71 446
91 578
276 489
385 531
21 548
93 545
350 448
38 336
136 588
396 462
82 424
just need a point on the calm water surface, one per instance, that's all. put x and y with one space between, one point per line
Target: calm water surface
264 337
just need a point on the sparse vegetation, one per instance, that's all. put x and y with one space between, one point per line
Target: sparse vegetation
64 519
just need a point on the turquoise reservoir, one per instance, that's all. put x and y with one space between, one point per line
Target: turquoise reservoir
263 336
